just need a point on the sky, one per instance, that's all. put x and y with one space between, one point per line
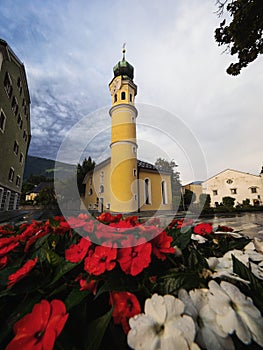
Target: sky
190 109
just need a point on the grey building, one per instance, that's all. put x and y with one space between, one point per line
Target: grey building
14 126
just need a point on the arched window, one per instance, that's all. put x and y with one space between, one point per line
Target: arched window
123 95
164 192
102 176
130 97
115 98
147 191
101 189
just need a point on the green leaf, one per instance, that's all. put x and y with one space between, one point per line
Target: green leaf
181 239
61 270
116 283
197 261
255 285
75 297
172 283
53 258
96 330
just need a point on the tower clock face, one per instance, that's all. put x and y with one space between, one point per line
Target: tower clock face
115 86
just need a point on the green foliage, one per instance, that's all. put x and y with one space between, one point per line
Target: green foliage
163 165
228 202
82 169
243 36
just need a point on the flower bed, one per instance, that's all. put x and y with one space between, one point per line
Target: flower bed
122 284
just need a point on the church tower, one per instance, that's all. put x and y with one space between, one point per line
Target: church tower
123 182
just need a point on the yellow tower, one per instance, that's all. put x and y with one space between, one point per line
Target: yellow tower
124 187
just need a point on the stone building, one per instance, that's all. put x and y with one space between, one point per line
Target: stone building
123 183
14 126
236 184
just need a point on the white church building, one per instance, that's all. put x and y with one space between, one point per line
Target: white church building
236 184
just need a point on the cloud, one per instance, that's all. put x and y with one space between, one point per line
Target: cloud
69 50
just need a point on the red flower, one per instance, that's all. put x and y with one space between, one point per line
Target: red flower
91 286
39 329
21 273
203 229
108 232
161 245
224 229
77 252
108 218
7 244
102 259
89 226
3 261
134 259
126 305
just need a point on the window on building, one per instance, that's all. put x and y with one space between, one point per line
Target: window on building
135 197
19 85
90 191
134 149
233 191
14 105
25 135
215 192
90 180
89 206
147 191
7 200
11 174
253 189
101 189
8 85
134 172
133 119
164 192
16 148
21 158
1 196
20 122
102 176
18 181
2 121
123 95
115 98
229 181
130 97
108 206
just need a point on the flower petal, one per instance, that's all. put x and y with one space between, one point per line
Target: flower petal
156 308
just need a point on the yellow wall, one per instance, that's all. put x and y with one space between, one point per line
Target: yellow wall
156 192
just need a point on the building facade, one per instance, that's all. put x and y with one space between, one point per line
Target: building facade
123 183
236 184
14 126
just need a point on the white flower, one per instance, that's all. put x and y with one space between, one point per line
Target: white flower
209 335
198 238
223 267
258 244
163 326
235 312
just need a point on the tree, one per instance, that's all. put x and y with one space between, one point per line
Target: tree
163 165
82 170
244 34
205 200
188 197
228 202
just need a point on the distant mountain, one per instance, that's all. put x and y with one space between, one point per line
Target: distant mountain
42 166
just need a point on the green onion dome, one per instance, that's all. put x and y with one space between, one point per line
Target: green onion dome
123 68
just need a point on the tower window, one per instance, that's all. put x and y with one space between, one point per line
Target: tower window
134 149
18 180
134 172
2 121
101 189
8 85
130 97
115 98
123 95
11 174
16 147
